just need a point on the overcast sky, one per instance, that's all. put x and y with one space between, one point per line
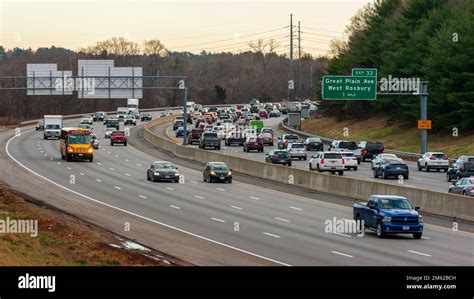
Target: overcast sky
180 25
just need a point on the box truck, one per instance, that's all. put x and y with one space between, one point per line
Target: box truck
52 126
132 106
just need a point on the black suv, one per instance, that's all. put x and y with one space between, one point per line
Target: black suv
217 172
210 140
370 149
463 167
113 123
145 116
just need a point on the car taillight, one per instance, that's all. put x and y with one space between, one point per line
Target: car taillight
364 151
383 151
342 161
471 188
462 167
432 158
322 161
445 158
275 156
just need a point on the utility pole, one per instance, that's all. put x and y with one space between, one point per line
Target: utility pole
299 58
290 71
424 114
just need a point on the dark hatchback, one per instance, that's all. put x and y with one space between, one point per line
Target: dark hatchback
391 168
463 167
217 172
370 149
278 157
314 144
162 171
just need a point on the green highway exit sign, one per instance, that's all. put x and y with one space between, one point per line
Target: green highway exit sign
349 87
364 72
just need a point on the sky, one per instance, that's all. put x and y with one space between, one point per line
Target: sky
191 25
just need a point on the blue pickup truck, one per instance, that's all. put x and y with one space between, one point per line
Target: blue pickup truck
389 214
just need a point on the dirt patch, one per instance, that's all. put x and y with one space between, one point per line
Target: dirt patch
64 240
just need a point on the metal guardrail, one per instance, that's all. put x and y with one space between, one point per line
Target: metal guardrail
327 141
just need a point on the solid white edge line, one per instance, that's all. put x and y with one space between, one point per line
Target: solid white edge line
134 214
340 253
420 253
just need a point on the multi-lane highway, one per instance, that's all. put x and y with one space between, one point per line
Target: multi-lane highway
433 180
261 225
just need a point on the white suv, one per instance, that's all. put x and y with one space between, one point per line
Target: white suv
350 160
297 150
327 161
433 160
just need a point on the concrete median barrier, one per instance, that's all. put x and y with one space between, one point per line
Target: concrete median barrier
444 204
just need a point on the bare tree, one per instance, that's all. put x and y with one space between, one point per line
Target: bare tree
264 51
154 47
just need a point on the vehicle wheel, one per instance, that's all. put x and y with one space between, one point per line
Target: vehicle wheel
148 177
384 175
406 177
125 144
448 177
458 177
380 232
417 235
363 159
450 191
229 181
91 159
355 168
45 138
418 166
68 158
111 144
445 170
203 178
427 168
358 161
305 158
375 174
341 172
271 144
62 157
219 148
289 164
176 180
464 193
437 170
310 167
318 169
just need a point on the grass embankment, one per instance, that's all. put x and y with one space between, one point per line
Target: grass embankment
393 135
62 240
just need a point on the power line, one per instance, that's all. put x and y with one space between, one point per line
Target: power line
274 37
315 29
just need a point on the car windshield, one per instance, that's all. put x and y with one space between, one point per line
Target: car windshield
347 154
395 203
291 137
396 161
211 136
470 182
79 139
219 167
54 127
438 156
297 145
314 140
281 153
374 145
119 133
332 156
112 122
348 145
162 165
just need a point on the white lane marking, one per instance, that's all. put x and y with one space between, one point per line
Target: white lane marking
271 235
238 208
41 151
169 188
194 182
45 155
69 168
217 219
138 164
253 197
282 219
142 196
146 181
220 189
59 163
417 179
126 160
116 156
111 169
109 153
426 238
340 234
118 188
420 253
175 207
132 213
98 180
295 208
98 163
127 174
200 197
340 253
51 159
81 173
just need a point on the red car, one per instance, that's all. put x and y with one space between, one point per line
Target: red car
118 137
263 113
253 144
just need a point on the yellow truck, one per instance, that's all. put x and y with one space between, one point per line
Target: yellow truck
76 143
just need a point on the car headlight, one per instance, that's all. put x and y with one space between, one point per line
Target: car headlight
176 174
69 149
387 219
229 173
213 173
420 219
90 150
156 173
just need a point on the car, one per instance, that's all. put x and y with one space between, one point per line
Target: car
162 171
350 160
267 130
314 143
39 125
194 136
462 167
267 138
297 150
278 157
118 136
274 113
391 168
389 214
217 172
209 140
113 123
370 149
166 113
99 116
130 120
283 109
285 139
177 124
352 146
146 116
94 141
254 109
327 161
86 119
263 114
219 129
256 124
381 156
464 186
179 132
253 144
108 132
234 137
433 160
249 133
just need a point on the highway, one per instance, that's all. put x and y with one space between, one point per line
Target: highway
433 180
243 223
